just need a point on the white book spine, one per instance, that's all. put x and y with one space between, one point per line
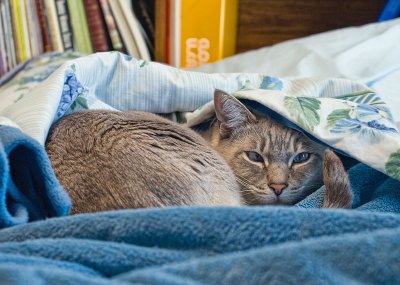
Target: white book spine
123 28
54 26
135 30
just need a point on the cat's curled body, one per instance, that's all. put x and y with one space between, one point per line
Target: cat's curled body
115 160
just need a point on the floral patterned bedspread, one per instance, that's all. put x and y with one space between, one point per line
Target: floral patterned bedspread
348 116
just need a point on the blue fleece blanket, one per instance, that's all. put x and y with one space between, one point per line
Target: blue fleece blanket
260 245
247 245
29 190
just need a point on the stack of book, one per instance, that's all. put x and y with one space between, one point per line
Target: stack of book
183 33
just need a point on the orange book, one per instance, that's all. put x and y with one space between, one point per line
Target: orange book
161 30
203 31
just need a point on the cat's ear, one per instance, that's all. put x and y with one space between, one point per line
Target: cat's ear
230 113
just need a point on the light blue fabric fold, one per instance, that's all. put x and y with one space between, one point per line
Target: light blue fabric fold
29 190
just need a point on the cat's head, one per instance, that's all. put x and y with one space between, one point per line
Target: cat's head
273 164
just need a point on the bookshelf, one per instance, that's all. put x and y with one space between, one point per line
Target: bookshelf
154 29
169 31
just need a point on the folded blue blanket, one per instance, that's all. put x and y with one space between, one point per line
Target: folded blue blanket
248 245
29 190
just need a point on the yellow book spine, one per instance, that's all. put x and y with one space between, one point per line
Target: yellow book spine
229 28
19 30
207 31
25 29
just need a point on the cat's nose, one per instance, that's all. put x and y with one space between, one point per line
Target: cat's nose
278 188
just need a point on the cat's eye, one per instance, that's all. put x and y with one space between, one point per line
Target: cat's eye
254 156
301 157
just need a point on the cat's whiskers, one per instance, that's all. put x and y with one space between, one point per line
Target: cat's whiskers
248 187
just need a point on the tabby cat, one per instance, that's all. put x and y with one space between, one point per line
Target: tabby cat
272 163
114 160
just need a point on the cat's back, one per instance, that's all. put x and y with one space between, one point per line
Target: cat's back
110 160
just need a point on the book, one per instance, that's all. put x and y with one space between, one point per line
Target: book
53 25
202 31
160 30
136 29
144 11
80 27
65 25
43 25
168 35
33 28
129 29
25 29
97 29
3 59
17 30
8 34
113 32
174 40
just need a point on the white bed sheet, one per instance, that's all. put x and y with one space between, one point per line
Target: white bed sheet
369 54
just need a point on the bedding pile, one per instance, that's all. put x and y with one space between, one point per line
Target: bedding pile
300 244
249 245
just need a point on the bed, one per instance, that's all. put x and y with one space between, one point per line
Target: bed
355 70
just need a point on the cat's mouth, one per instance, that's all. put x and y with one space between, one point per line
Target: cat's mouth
266 196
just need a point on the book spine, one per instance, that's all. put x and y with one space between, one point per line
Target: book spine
8 34
34 45
176 18
123 27
25 29
111 26
206 41
43 25
79 26
229 32
17 31
54 27
144 11
65 25
3 58
169 28
135 30
36 23
161 23
96 26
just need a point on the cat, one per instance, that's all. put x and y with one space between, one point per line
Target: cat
272 163
110 160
